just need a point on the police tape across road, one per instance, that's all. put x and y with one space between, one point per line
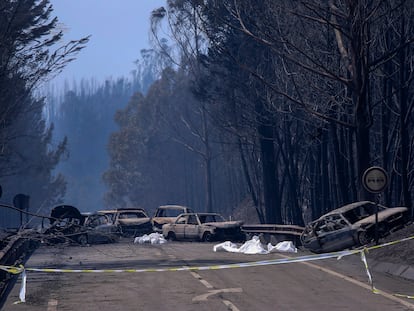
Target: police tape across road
362 251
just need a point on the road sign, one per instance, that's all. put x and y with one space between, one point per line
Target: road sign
375 179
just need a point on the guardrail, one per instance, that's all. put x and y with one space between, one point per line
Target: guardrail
274 232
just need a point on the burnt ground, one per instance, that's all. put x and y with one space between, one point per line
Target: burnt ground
399 253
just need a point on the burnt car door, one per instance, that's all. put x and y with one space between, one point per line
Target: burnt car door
100 229
179 225
191 230
334 233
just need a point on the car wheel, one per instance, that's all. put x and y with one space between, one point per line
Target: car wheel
171 236
363 238
83 240
207 237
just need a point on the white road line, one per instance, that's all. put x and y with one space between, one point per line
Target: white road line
204 282
358 283
52 305
204 297
230 305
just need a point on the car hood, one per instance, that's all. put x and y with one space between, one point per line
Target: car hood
382 215
224 225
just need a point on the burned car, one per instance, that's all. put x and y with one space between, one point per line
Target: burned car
97 228
352 225
68 224
203 227
167 214
65 225
130 221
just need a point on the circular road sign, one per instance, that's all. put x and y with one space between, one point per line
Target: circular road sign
375 179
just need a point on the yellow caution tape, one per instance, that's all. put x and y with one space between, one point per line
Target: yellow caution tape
371 281
12 270
390 243
338 255
404 296
203 268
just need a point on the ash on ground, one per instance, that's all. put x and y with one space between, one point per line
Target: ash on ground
399 253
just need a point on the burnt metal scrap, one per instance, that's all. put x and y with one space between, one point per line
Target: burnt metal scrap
69 225
66 223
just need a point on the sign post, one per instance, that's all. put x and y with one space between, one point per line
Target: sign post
375 180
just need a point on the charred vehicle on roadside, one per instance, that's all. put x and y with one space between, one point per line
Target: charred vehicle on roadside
65 225
98 228
205 227
130 221
352 225
167 214
68 224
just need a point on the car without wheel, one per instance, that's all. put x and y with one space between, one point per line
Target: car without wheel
130 221
203 227
352 225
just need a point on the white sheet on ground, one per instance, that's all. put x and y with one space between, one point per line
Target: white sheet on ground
254 246
153 238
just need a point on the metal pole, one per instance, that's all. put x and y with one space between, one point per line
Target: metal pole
377 197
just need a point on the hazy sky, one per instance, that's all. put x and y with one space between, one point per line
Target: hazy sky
119 30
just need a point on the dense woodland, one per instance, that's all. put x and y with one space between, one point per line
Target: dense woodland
279 106
29 56
290 101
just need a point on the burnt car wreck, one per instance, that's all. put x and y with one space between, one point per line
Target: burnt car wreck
206 227
352 225
68 225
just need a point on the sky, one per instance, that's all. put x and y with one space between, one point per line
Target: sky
119 29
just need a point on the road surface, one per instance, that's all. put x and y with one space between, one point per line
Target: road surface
329 284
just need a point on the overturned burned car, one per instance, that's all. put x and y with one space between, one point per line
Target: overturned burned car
205 227
352 225
68 224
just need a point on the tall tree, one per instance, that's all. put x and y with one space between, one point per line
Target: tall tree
189 40
325 59
29 56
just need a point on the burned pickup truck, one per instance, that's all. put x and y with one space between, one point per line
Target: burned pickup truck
352 225
68 224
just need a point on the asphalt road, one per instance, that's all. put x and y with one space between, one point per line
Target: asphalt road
328 284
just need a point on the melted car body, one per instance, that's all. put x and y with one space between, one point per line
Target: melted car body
99 229
167 214
203 227
68 224
352 225
130 221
